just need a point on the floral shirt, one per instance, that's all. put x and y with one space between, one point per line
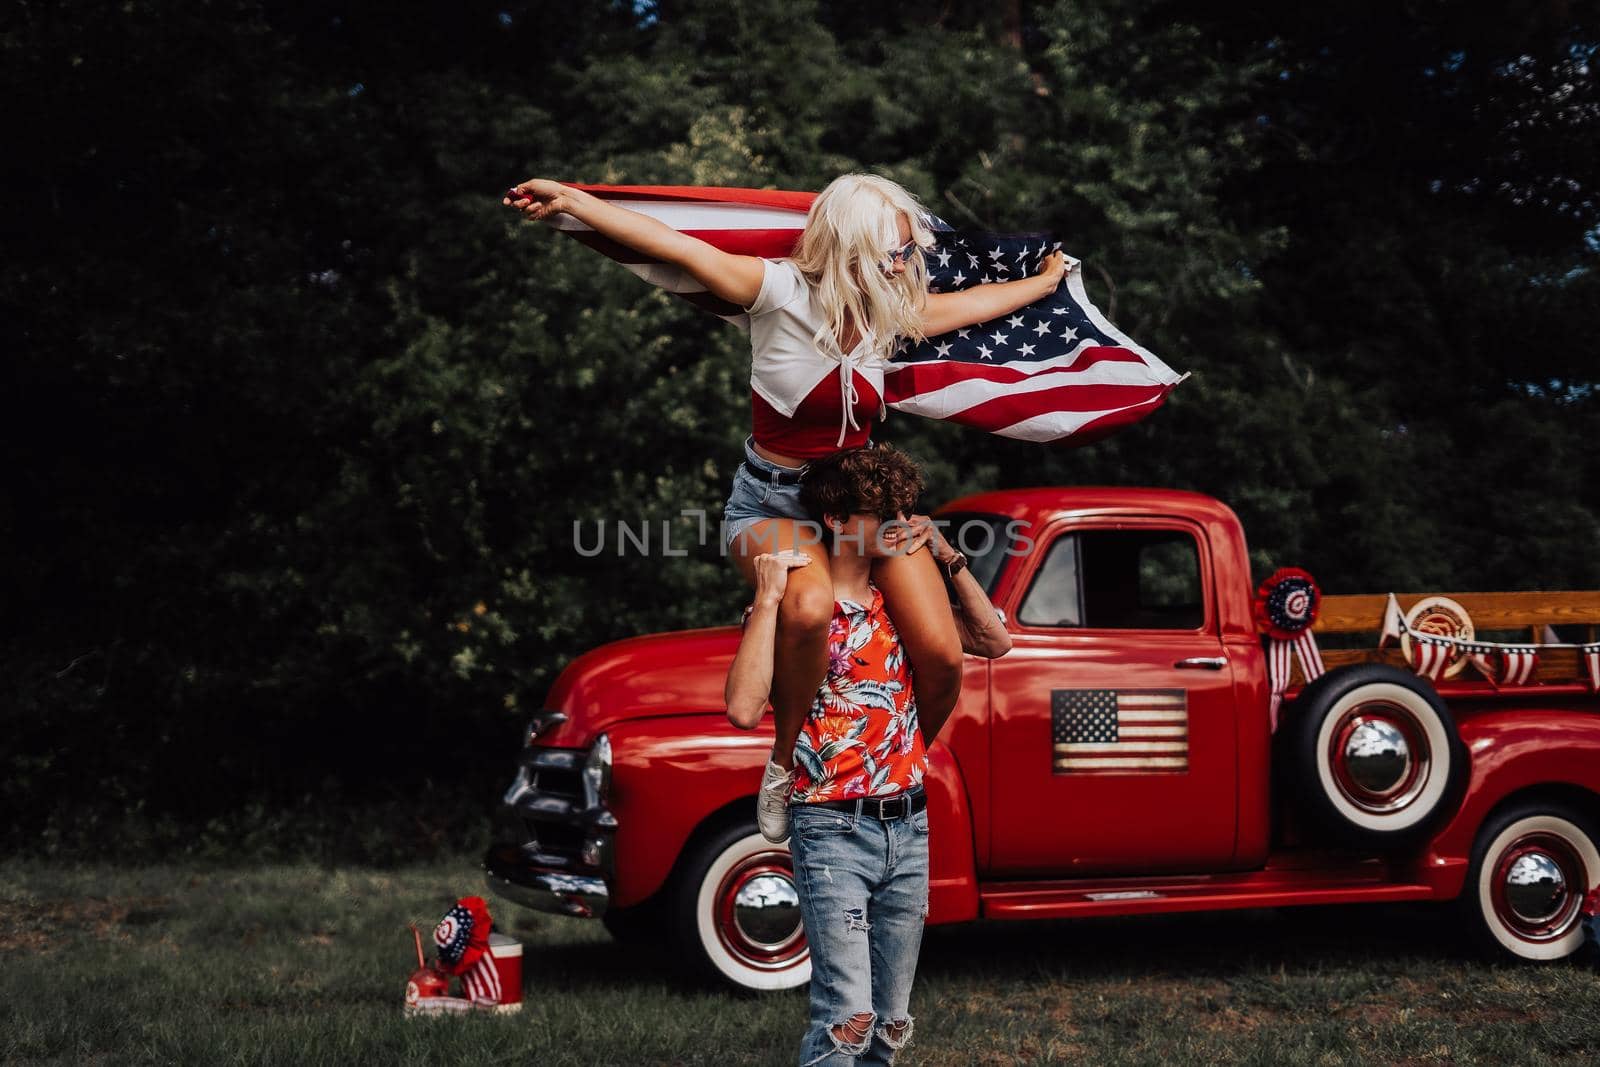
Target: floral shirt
861 736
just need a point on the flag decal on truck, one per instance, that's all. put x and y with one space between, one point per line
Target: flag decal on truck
1119 731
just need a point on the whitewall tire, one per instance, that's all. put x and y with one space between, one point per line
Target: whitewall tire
738 915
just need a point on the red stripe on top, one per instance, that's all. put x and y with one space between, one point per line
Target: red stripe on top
814 431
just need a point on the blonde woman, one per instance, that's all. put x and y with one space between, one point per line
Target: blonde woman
823 324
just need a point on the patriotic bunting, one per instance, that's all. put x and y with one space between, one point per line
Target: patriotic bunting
1285 607
1503 665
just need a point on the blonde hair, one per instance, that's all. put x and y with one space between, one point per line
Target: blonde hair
852 223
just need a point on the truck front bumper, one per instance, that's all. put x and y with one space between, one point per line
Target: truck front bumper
510 874
553 835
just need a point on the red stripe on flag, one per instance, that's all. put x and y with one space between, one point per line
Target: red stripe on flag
924 377
767 244
704 194
1005 411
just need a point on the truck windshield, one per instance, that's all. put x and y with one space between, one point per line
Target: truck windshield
986 540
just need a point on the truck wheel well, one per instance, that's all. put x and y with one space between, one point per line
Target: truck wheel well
1584 801
742 809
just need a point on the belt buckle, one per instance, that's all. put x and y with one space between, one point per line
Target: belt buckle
905 807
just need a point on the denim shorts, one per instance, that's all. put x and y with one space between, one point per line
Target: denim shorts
754 499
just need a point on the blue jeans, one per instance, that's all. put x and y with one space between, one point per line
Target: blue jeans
863 888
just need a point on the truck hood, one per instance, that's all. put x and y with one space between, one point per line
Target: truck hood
641 677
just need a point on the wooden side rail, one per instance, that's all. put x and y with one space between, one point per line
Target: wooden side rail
1530 612
1489 611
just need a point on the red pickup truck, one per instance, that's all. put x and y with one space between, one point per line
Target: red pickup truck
1120 760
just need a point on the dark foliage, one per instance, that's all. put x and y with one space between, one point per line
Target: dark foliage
302 420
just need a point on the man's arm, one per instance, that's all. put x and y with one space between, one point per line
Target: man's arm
977 620
749 682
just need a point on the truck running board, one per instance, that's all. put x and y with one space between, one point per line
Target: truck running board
1273 887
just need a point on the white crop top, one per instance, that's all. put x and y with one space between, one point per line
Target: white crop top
786 362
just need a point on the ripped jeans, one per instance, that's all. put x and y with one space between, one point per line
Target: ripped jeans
863 888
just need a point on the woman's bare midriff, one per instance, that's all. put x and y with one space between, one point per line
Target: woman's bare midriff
777 457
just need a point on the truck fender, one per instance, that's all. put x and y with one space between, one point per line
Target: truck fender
952 870
668 776
1512 750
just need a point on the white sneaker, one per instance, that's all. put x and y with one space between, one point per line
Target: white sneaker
772 803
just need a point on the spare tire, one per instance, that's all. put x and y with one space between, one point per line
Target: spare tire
1374 756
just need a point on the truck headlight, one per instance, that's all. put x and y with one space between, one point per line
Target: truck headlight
597 771
542 723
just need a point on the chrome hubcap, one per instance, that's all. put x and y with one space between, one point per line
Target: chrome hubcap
1380 758
1377 755
1536 888
758 912
767 909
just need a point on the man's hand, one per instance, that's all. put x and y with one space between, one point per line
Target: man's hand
923 531
772 574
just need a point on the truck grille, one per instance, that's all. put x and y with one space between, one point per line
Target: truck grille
547 803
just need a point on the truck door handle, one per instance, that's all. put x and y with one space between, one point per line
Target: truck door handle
1203 663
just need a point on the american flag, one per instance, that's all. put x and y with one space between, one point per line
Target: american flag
1119 731
1056 370
482 983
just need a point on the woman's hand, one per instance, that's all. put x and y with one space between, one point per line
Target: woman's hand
541 199
772 574
1053 269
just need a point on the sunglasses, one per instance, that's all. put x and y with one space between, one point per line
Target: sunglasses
900 255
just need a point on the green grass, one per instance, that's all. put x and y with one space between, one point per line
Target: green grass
304 965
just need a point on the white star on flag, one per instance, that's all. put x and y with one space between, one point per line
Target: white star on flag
1043 327
984 352
1015 320
999 338
1025 350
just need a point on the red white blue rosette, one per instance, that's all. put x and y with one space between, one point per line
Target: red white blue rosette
462 936
1286 606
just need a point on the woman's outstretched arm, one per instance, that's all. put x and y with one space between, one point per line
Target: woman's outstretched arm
944 312
734 278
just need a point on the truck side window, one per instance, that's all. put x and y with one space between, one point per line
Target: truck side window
1118 580
1055 598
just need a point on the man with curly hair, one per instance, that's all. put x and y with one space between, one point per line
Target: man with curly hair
857 807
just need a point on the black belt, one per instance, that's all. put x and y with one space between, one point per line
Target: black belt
899 806
780 477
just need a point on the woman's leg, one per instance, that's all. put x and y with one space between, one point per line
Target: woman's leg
800 658
915 598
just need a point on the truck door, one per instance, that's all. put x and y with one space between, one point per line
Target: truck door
1112 745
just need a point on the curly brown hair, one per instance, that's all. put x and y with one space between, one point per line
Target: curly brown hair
876 481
